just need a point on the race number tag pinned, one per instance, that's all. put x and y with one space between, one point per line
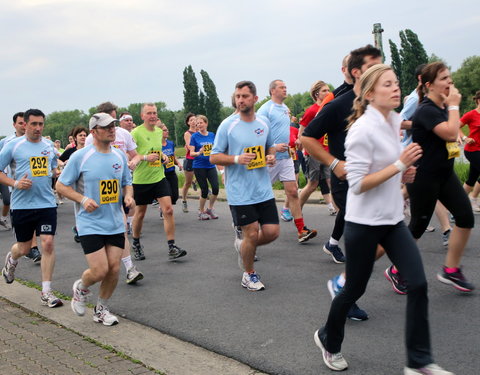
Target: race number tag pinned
452 149
259 160
109 191
156 163
39 166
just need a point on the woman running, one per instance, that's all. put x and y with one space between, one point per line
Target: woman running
201 145
191 122
472 147
168 148
435 127
374 216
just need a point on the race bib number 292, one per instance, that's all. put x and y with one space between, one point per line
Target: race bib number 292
39 166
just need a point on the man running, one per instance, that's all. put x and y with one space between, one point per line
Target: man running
33 162
277 113
244 145
149 182
94 179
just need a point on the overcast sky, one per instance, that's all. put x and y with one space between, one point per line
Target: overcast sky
74 54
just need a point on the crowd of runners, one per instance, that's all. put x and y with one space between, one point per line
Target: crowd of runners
371 163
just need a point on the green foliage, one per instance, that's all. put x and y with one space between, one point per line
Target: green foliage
180 127
59 124
467 80
461 169
406 60
190 91
201 104
212 103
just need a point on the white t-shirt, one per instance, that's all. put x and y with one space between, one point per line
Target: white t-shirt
123 140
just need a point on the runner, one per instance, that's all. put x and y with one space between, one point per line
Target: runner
277 113
375 166
33 162
191 122
332 120
149 182
94 179
435 127
124 142
244 145
168 149
201 144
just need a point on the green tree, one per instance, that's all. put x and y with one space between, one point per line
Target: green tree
406 59
212 103
180 127
59 124
190 91
201 104
467 80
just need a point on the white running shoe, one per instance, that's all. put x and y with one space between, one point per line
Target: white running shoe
431 369
50 300
252 282
79 299
334 361
8 270
133 275
104 316
203 216
4 224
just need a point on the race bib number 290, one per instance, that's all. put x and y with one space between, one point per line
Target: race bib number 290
109 191
259 160
39 166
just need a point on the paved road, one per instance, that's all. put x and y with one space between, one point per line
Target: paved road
200 300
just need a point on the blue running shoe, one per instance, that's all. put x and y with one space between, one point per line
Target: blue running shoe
335 252
286 214
355 312
333 286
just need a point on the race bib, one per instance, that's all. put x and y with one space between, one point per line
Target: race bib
156 163
325 140
109 191
207 149
293 153
39 166
453 149
259 160
170 162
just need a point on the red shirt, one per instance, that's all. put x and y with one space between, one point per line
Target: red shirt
309 115
472 119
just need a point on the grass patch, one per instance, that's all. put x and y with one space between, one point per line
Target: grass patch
461 169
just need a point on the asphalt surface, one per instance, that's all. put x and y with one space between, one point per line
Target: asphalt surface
199 299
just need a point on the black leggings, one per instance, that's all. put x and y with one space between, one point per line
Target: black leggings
474 172
424 194
339 195
172 179
361 245
204 174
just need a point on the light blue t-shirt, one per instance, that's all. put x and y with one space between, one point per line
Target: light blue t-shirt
36 160
206 141
244 186
407 112
277 114
100 176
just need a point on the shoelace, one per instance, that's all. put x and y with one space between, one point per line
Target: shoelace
254 278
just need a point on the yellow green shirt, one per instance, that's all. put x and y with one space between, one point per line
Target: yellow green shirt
148 142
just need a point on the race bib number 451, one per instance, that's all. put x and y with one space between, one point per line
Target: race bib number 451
39 166
109 191
259 160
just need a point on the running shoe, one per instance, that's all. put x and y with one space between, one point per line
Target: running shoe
252 282
332 211
133 275
104 316
8 270
398 284
334 361
431 369
455 279
286 215
76 238
203 216
446 237
50 300
154 203
306 234
4 224
79 299
211 212
184 206
138 253
237 244
355 312
34 254
176 252
335 252
194 186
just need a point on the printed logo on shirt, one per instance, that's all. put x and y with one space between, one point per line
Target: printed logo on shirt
259 131
45 152
117 167
39 166
45 228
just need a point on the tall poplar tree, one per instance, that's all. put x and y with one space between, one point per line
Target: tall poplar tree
212 103
190 91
